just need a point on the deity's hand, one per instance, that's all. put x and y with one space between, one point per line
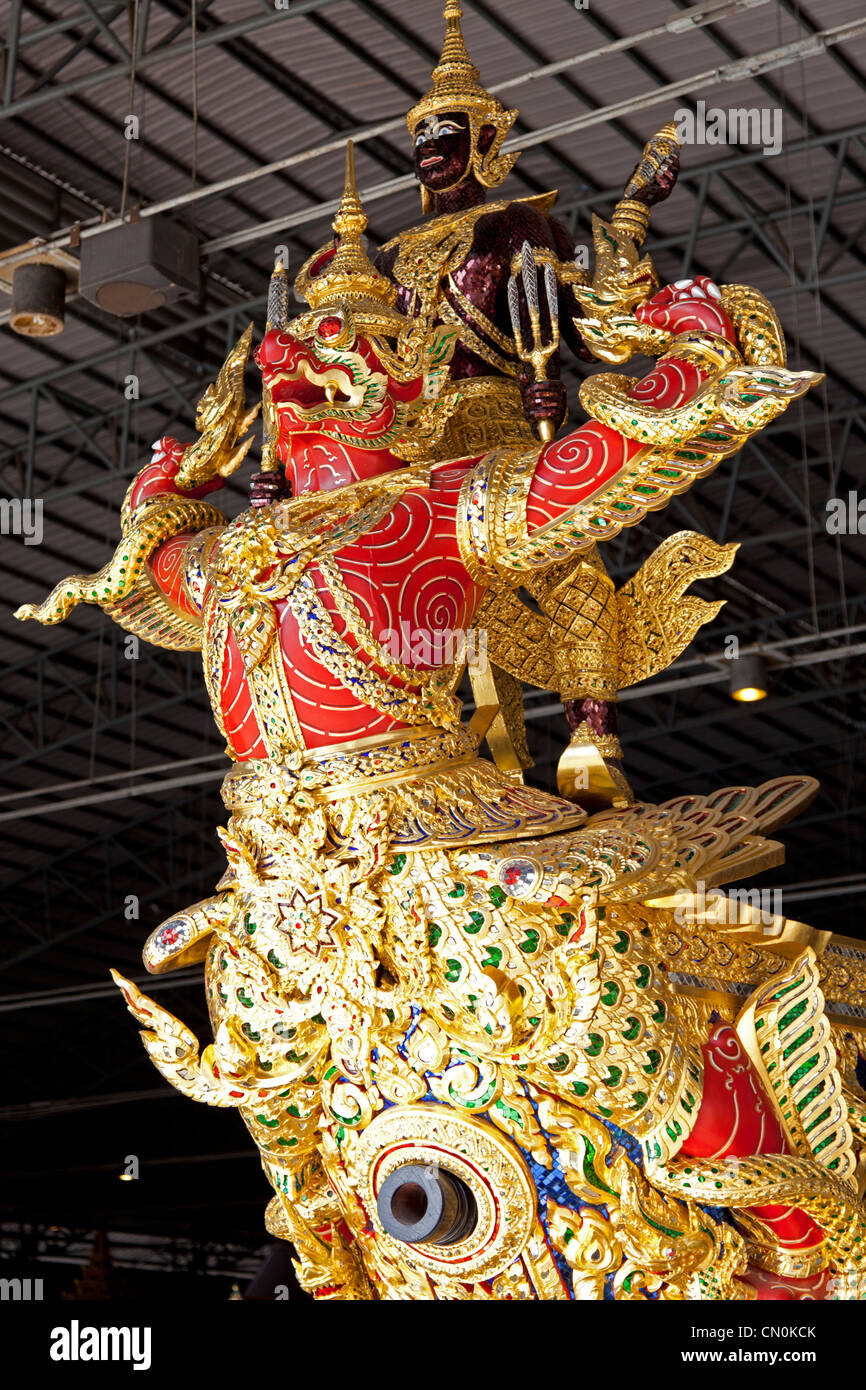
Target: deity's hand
266 488
222 421
654 178
218 451
653 181
544 401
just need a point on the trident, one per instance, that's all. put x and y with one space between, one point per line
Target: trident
540 351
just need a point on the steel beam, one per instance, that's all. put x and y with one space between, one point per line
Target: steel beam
783 98
829 201
167 96
249 307
47 30
160 56
53 680
10 55
36 1244
103 26
141 36
782 756
211 866
81 45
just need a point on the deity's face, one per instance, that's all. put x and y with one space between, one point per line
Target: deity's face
443 150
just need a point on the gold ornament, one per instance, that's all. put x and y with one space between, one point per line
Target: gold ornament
415 961
348 284
221 419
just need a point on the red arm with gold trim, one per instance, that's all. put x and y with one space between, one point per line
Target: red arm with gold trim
572 469
167 565
718 381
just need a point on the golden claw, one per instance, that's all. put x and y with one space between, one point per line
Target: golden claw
221 420
753 396
235 459
174 1049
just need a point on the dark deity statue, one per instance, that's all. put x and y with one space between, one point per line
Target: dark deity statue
454 267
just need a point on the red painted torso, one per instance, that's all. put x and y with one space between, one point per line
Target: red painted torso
411 589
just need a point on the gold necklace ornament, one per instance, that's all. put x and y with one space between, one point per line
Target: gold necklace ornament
291 533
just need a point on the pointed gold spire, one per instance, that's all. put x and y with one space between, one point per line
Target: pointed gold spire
347 279
349 273
350 221
455 69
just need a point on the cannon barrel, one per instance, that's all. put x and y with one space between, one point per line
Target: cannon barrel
422 1203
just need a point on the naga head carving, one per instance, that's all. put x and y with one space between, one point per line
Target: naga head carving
336 383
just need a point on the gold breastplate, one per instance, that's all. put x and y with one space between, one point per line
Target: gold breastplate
429 252
489 410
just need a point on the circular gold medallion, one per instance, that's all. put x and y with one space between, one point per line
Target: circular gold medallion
488 1163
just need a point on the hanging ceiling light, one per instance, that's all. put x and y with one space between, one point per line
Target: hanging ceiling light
39 282
749 678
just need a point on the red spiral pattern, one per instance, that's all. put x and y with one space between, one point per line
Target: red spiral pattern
406 580
687 306
571 470
670 384
167 566
406 576
326 710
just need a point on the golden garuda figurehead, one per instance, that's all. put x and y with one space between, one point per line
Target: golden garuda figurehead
479 117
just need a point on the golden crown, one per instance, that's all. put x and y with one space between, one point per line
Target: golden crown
346 280
457 87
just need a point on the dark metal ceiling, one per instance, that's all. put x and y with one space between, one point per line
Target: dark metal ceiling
248 84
